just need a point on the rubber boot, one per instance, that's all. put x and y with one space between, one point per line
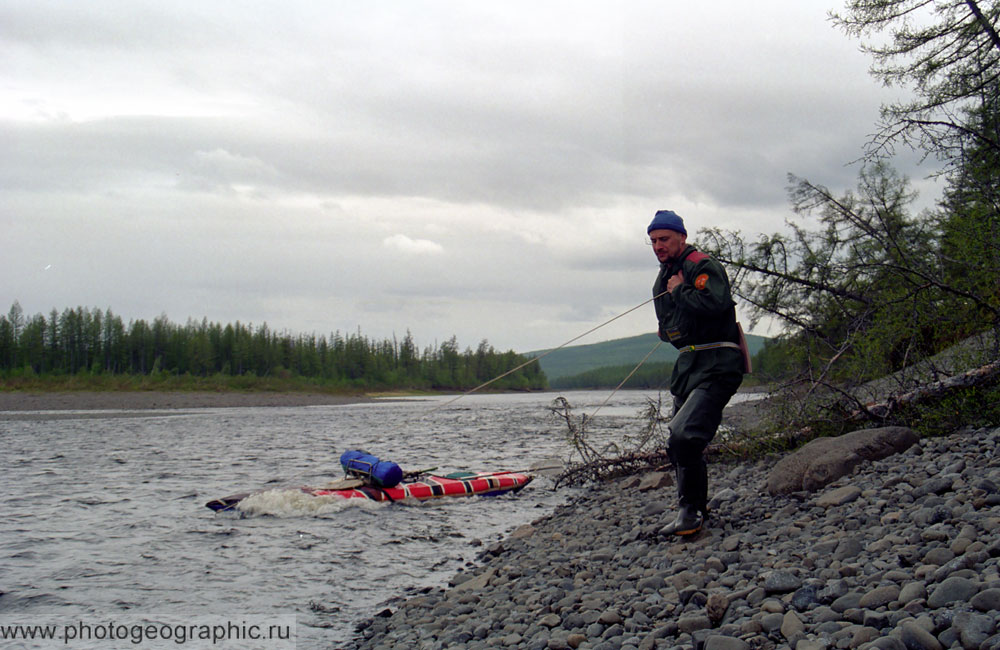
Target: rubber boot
688 522
692 487
692 495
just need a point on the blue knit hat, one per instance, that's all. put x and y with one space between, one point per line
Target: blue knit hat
667 220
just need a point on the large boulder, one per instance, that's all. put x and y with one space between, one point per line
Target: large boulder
824 460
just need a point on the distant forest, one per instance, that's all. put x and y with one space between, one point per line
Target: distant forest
650 376
84 341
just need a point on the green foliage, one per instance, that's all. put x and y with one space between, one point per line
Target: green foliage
82 342
970 219
28 380
969 407
861 287
864 290
947 52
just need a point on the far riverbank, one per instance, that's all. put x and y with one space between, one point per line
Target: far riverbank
20 401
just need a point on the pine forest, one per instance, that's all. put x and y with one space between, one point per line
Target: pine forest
92 342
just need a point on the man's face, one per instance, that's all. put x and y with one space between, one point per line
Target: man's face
667 244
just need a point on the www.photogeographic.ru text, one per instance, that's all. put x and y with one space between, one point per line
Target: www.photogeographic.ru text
280 633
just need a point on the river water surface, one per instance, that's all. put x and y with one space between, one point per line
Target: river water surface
104 523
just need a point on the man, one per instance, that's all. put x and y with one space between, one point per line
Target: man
696 313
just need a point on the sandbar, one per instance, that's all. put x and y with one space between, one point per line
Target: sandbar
43 404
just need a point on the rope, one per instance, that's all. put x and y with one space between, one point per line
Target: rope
576 338
627 377
548 352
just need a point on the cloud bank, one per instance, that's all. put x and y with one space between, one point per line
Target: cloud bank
449 168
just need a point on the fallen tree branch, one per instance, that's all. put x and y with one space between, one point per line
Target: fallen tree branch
882 411
605 469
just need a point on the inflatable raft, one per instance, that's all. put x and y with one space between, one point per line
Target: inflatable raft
429 487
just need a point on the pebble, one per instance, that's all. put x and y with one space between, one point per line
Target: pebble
901 554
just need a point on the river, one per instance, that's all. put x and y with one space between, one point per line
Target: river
105 534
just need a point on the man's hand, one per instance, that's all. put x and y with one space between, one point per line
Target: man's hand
675 280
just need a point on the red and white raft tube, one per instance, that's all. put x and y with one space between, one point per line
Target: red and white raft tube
460 484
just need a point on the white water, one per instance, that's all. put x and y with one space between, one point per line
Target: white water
102 516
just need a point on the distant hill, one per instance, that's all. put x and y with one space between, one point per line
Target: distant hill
574 359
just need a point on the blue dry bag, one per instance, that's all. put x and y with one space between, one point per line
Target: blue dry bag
383 473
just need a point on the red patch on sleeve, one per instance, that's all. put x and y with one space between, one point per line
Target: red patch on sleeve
701 281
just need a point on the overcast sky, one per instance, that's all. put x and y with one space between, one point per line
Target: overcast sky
483 170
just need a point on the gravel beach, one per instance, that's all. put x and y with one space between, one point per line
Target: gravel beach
904 553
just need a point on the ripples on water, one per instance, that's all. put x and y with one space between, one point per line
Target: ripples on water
104 518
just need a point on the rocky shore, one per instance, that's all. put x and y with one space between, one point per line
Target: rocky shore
902 553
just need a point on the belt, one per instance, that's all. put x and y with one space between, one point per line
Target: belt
710 346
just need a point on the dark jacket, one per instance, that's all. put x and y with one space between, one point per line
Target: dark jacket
701 310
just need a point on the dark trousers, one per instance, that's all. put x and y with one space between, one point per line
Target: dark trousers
695 420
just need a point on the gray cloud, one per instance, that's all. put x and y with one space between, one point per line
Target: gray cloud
478 169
